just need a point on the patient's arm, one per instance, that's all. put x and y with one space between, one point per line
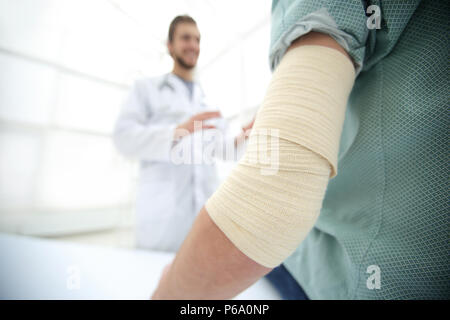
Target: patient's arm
208 264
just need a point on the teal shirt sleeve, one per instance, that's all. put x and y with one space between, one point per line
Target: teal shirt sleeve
345 21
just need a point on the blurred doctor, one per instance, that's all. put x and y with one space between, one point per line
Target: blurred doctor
160 114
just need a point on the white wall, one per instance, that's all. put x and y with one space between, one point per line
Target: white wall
65 67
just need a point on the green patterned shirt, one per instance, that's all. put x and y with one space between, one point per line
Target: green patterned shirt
388 208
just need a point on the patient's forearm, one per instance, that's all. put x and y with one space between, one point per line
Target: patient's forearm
208 266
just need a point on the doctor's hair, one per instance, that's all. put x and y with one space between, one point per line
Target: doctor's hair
179 19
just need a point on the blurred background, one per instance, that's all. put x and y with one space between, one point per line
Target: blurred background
65 68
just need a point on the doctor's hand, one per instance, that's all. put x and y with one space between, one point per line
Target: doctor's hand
246 129
245 133
196 123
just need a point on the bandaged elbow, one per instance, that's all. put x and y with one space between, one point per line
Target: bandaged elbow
273 196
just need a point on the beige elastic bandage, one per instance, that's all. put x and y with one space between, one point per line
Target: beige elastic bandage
273 196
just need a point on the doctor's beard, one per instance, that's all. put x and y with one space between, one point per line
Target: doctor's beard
183 63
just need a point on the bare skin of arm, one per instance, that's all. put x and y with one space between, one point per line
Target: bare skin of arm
208 265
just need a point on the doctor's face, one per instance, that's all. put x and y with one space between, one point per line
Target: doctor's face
185 45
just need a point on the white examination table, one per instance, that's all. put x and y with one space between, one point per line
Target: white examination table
33 268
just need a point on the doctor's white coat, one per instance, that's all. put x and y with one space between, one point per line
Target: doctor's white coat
169 195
